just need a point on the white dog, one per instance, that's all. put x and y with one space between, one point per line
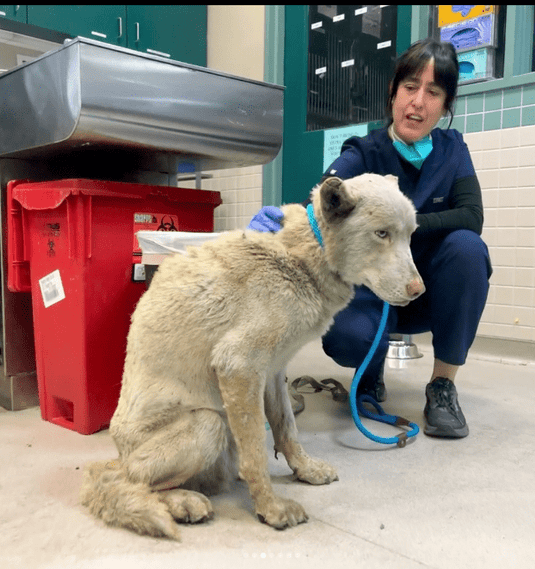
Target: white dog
209 343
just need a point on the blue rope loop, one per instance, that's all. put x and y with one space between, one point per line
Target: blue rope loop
357 407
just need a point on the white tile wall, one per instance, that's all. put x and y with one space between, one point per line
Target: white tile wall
505 164
241 192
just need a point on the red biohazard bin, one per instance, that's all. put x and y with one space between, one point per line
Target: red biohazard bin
72 244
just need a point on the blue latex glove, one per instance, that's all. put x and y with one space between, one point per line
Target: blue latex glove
267 219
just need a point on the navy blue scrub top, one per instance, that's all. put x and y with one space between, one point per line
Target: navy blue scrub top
445 191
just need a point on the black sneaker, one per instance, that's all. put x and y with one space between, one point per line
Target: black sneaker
374 386
443 416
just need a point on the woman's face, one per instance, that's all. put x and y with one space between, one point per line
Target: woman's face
418 105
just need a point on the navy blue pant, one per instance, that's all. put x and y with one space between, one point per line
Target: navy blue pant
455 270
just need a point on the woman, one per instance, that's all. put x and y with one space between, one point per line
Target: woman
435 170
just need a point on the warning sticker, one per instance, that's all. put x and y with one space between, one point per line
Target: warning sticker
52 289
153 222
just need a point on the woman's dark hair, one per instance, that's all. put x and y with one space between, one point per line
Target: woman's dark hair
413 62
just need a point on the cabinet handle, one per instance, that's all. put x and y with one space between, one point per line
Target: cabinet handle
3 14
99 35
120 28
137 32
161 53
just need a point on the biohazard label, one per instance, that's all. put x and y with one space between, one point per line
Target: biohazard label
52 289
152 222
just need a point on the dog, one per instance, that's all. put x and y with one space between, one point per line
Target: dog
207 349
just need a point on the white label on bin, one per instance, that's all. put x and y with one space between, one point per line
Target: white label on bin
52 288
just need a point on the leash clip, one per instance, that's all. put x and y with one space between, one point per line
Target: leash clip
402 440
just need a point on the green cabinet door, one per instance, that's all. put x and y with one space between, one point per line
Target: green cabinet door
177 32
105 23
13 12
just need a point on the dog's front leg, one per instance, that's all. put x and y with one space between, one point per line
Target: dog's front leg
242 394
282 421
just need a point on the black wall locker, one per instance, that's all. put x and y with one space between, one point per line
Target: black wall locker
352 51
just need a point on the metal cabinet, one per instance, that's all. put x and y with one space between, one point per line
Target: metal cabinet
177 32
15 12
102 22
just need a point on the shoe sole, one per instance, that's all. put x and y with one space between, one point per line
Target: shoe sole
446 432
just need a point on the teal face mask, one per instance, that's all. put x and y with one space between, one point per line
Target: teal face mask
415 153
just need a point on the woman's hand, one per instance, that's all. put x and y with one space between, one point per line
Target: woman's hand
267 219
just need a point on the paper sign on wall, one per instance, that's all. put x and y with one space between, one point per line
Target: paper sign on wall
334 138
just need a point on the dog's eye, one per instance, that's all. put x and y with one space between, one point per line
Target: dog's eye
382 234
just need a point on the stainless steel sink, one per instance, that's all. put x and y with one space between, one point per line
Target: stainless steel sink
92 98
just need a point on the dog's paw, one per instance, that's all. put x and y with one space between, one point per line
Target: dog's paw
281 513
187 506
316 472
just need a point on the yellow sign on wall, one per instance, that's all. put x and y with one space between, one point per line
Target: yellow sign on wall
453 14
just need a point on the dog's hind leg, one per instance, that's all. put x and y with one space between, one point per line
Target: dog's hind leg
282 421
126 492
192 444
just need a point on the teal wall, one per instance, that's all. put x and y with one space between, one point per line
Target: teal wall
503 108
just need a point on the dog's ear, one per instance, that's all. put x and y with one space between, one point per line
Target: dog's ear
393 178
336 202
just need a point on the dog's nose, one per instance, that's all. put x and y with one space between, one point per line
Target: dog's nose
415 287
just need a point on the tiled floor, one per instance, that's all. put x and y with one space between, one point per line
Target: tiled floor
435 503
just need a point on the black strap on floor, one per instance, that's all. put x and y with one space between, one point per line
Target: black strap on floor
337 390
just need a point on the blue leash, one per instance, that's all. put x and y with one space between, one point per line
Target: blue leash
358 406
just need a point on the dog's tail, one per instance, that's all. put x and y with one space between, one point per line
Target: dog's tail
110 496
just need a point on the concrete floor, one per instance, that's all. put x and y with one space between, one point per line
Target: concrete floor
466 503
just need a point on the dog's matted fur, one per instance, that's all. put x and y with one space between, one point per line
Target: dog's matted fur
207 349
